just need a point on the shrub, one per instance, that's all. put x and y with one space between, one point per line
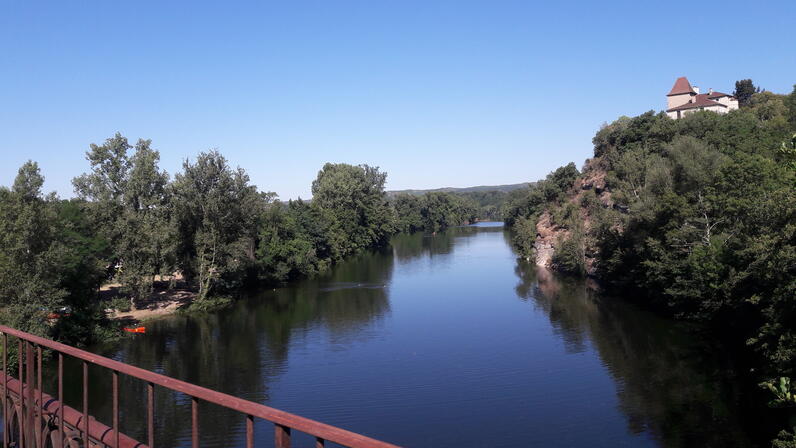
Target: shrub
569 255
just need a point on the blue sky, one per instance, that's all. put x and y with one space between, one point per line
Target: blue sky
436 93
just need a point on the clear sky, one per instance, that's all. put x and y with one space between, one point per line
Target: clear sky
436 93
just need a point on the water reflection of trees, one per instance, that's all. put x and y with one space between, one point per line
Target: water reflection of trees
241 350
238 351
410 246
668 384
349 297
199 350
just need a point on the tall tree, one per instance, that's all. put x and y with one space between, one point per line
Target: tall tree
744 89
790 103
109 167
788 151
146 239
216 212
353 198
293 241
524 236
47 260
26 285
407 213
130 206
440 210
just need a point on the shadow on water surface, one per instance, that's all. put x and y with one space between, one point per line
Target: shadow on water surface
668 384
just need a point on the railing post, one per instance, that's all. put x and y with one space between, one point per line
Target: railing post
5 390
30 440
116 408
281 436
21 415
150 414
249 431
85 404
61 404
40 408
194 422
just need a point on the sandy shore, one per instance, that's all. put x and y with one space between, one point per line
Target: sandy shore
162 302
169 303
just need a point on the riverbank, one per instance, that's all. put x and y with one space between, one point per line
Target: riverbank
166 304
168 297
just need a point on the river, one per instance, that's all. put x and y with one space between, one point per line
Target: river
444 340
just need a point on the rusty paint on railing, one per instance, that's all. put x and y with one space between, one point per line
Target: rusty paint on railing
92 430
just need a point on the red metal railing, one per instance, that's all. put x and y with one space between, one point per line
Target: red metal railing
35 419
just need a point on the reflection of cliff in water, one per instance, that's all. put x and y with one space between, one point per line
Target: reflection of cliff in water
668 385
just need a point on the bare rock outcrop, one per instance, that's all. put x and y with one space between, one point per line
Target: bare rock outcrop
548 233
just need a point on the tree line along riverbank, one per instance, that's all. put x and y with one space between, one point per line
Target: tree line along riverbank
695 218
136 242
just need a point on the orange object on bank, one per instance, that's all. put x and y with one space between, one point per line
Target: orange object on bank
135 330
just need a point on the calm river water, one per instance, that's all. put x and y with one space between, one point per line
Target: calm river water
442 341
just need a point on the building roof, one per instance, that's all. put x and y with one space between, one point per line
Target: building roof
717 95
698 102
681 86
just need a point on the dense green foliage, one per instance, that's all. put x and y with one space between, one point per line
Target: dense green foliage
479 203
712 230
533 200
208 228
703 221
524 235
488 205
569 255
785 439
127 203
216 213
524 207
353 199
433 211
744 89
50 258
294 241
130 225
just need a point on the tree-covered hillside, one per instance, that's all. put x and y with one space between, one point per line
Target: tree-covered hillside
695 217
477 189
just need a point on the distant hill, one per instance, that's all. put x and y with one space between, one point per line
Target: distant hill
504 188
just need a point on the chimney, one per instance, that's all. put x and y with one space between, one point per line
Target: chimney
710 91
696 89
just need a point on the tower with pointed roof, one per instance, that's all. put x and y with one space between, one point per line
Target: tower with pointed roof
684 99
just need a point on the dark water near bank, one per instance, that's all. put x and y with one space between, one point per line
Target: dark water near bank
442 340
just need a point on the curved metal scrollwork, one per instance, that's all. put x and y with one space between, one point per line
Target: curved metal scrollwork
12 426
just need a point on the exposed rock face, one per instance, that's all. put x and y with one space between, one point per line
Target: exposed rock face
543 247
548 234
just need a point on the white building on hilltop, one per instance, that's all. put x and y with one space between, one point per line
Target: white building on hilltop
684 99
